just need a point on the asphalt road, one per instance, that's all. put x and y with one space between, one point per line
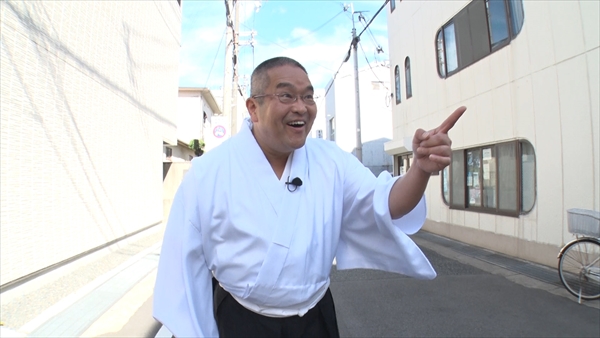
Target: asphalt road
469 298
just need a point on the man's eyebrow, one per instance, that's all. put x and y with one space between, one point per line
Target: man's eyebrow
291 86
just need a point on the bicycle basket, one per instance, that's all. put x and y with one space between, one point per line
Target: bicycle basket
584 222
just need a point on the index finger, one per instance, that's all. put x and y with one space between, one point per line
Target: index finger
451 120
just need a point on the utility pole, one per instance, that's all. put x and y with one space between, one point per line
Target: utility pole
355 40
228 57
234 58
230 81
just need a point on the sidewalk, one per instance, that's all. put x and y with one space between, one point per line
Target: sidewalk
110 295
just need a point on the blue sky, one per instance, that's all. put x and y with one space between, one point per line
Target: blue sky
315 33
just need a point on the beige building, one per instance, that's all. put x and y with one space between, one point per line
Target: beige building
88 96
527 149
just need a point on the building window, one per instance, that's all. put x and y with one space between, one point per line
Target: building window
497 22
441 54
332 129
407 77
168 152
446 186
517 16
406 162
319 133
450 48
397 82
498 179
478 30
403 162
392 5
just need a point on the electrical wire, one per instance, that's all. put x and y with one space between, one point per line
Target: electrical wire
373 18
387 96
372 70
378 48
350 48
314 30
217 54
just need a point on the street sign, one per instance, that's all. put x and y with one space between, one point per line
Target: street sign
219 131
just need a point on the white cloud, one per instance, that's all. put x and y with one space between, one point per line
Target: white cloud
320 51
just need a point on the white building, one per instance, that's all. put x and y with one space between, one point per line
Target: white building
319 128
527 149
197 108
89 95
375 113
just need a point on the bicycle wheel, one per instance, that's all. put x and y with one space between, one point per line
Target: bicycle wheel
579 268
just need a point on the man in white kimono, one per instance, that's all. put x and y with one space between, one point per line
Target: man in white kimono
257 222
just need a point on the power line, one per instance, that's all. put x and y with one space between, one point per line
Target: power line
215 59
372 70
378 48
373 18
350 48
314 30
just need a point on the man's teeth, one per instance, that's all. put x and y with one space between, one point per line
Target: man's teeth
296 123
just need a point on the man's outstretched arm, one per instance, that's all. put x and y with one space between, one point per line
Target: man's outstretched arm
431 152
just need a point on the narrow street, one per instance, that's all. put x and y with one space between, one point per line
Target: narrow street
469 298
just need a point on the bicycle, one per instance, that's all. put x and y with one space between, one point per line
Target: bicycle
579 260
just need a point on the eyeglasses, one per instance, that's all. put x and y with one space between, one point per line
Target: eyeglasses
287 98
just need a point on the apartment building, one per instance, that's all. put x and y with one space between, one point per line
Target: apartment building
527 149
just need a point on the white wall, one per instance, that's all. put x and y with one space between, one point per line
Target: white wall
89 94
190 117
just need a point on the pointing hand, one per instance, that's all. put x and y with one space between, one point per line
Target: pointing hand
432 149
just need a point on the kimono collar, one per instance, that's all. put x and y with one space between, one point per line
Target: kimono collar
246 148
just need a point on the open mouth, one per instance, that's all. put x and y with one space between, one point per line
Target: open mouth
297 124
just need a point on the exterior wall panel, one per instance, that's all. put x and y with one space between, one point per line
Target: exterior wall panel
89 93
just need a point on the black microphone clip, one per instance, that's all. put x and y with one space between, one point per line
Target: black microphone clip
296 182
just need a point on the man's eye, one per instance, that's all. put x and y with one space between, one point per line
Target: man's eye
286 96
308 97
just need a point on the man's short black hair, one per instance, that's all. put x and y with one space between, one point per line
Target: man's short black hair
260 78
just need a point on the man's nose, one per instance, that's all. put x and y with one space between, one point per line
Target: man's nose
299 106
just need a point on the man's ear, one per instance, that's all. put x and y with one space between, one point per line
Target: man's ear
252 107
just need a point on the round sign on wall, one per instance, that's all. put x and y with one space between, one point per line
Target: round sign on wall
219 131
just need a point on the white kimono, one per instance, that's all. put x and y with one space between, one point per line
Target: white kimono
272 248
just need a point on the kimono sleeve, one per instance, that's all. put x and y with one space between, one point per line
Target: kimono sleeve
183 299
369 237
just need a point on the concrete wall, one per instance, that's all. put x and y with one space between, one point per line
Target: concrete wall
89 94
543 87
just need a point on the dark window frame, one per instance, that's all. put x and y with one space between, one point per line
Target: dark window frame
468 26
392 5
332 127
508 17
403 161
456 175
407 78
398 89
